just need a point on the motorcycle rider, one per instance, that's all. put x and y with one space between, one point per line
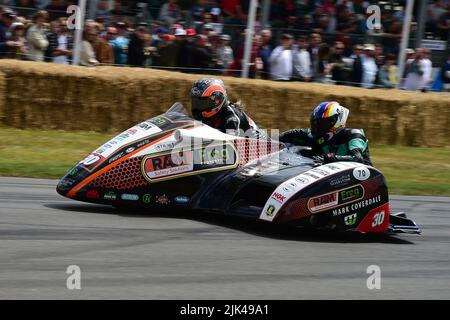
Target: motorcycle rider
211 106
329 138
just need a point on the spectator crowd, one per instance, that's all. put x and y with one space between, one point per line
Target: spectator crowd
324 41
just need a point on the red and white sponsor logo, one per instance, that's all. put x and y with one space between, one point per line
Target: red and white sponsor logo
278 197
324 201
92 161
92 194
163 166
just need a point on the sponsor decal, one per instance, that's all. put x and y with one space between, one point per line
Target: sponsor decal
129 197
130 149
158 121
163 146
67 182
146 125
163 200
158 167
116 157
73 171
214 155
351 194
270 210
357 205
309 174
323 202
143 143
322 172
91 161
110 196
350 220
278 197
303 181
180 163
335 198
340 180
182 199
146 198
92 194
361 173
132 131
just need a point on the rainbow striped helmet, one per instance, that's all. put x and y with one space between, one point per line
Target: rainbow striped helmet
327 119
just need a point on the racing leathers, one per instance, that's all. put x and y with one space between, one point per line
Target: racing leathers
346 145
231 120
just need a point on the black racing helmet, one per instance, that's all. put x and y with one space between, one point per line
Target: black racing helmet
208 96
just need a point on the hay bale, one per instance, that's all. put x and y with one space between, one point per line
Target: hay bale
111 99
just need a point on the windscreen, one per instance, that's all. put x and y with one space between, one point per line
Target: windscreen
177 108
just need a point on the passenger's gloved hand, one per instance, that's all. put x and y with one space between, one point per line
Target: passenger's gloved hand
318 160
328 157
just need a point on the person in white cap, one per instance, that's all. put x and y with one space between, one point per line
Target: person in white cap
225 51
281 59
369 67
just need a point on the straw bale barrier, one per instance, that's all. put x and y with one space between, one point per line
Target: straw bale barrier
111 99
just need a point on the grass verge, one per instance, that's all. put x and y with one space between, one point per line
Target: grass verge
50 153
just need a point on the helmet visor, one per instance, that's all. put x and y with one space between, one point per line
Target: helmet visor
204 107
319 127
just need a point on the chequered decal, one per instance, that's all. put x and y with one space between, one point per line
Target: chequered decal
126 175
250 149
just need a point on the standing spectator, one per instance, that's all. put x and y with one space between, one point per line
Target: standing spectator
315 42
184 50
60 42
136 56
388 73
87 53
169 13
120 44
414 72
323 63
36 38
302 61
52 38
340 70
201 55
104 50
264 52
281 59
19 50
225 51
6 19
445 74
169 50
369 67
427 67
357 68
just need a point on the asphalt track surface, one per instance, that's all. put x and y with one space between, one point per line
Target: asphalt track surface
141 255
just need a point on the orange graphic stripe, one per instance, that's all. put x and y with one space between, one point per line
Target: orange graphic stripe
211 89
75 189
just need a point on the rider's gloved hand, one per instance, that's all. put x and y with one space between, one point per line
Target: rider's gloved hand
328 157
